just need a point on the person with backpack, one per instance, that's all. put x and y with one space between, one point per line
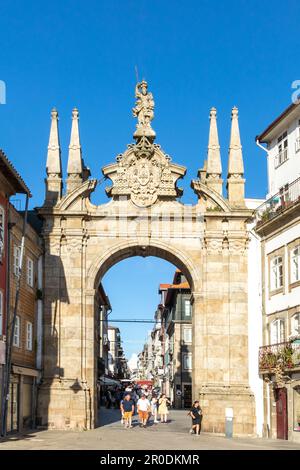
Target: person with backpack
196 414
127 409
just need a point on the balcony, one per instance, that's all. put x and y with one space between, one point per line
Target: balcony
297 144
286 355
278 204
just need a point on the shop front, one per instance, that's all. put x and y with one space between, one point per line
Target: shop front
21 410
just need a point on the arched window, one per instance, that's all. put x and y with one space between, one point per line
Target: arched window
2 222
295 324
277 331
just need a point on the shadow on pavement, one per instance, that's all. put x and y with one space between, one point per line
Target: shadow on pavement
26 435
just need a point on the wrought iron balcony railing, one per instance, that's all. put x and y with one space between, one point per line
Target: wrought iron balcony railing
280 202
286 355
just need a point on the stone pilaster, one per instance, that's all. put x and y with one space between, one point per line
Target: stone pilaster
220 372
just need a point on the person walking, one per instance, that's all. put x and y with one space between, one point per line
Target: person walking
143 406
154 408
122 412
107 399
134 397
196 415
163 411
127 409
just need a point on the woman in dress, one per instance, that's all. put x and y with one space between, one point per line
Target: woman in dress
154 408
163 411
196 415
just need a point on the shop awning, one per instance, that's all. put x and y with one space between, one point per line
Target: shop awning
108 381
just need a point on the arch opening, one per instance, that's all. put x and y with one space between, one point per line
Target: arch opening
116 254
179 260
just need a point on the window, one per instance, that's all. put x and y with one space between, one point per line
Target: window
187 361
187 335
277 331
16 260
2 221
284 193
16 340
1 312
187 308
295 324
282 145
29 336
30 272
295 264
276 273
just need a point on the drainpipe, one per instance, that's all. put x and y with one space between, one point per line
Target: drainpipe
268 411
7 308
12 326
39 316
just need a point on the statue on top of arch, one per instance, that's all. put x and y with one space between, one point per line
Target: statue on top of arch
143 111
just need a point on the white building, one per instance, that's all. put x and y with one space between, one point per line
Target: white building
255 317
278 226
133 366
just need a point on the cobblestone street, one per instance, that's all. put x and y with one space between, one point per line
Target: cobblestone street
111 435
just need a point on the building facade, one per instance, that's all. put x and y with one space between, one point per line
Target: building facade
177 320
102 341
158 349
117 363
278 226
23 356
27 339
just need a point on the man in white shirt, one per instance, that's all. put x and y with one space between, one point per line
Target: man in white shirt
144 408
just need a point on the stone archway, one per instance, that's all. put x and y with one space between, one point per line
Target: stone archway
132 248
207 241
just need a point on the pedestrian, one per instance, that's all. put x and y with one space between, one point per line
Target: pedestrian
163 411
113 399
108 399
127 409
144 408
118 397
135 398
196 415
122 412
154 408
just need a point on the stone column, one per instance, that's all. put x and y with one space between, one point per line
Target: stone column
220 370
66 395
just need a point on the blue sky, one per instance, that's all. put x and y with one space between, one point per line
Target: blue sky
195 54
